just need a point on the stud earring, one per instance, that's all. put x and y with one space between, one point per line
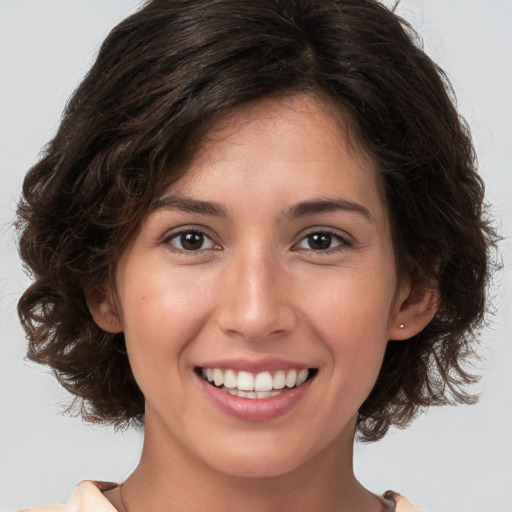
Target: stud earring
402 326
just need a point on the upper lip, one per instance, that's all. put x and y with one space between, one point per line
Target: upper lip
255 365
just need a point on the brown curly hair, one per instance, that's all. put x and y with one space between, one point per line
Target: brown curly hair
160 78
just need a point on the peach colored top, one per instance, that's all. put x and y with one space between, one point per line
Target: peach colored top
88 497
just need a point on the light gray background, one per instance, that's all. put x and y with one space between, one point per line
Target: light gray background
452 459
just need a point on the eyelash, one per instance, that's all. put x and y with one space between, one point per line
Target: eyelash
177 236
344 241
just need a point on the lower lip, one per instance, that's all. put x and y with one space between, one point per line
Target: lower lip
255 409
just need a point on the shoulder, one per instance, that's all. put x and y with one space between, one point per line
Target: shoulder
402 504
86 497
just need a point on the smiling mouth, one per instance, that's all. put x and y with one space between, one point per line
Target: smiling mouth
256 385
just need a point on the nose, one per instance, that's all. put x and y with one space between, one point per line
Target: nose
256 300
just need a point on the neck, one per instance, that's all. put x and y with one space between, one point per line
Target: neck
170 479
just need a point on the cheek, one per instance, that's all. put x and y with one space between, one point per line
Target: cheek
161 312
158 298
350 312
351 301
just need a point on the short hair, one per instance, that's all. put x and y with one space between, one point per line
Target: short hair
161 77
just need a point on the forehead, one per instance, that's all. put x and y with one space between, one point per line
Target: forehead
276 121
286 148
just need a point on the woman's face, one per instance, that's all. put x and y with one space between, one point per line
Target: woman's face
270 261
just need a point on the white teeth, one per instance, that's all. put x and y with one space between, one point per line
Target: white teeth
245 381
263 382
259 385
230 379
301 377
279 381
291 379
218 377
251 394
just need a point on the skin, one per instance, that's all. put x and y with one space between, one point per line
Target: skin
258 286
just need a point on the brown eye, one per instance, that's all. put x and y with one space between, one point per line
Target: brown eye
323 241
191 241
319 241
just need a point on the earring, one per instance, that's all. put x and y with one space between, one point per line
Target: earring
402 326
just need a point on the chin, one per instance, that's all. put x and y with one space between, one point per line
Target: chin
258 468
259 459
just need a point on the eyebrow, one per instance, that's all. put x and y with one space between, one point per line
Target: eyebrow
329 205
302 209
187 204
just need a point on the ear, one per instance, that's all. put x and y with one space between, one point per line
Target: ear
415 308
104 310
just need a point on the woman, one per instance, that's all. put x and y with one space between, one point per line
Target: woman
258 230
